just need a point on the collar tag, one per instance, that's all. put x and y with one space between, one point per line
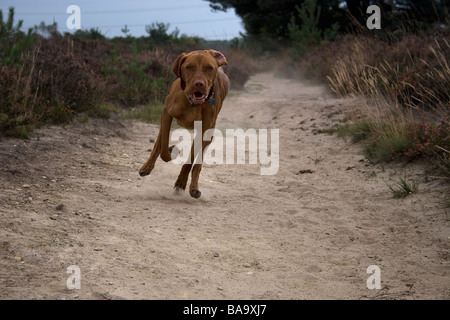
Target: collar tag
207 103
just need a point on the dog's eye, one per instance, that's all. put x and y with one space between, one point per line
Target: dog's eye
189 68
209 68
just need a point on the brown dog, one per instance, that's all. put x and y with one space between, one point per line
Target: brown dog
197 95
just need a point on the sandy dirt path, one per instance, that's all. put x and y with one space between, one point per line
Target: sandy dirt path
72 196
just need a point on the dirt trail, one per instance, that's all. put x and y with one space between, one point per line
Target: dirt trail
72 196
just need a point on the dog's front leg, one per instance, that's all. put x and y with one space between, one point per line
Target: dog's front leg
150 164
181 182
166 121
161 141
208 122
193 188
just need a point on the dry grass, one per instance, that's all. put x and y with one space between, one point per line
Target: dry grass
406 86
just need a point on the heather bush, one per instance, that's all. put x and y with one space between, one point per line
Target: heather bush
16 102
239 68
135 78
50 85
61 78
50 80
426 140
405 82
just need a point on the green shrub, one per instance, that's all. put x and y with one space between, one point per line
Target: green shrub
138 77
148 112
403 188
13 42
307 34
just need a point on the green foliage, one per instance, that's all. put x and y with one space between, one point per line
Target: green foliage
308 34
388 147
125 31
403 188
47 31
137 79
103 110
148 112
158 33
414 140
91 34
13 42
269 20
358 131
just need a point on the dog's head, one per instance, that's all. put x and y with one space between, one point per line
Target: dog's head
197 71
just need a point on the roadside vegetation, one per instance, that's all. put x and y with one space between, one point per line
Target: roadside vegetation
401 71
49 77
401 74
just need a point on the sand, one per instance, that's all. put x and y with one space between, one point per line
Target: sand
71 195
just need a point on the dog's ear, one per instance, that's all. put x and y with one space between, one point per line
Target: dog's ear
177 64
220 58
177 68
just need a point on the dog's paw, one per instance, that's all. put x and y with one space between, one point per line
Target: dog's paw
180 184
145 171
195 193
178 190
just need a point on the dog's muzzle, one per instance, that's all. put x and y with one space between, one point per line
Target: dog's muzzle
198 99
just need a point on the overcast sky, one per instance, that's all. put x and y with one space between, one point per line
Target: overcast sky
191 17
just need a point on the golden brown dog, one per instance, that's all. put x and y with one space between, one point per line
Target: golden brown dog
197 95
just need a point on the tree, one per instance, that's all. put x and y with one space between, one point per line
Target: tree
266 19
13 42
125 31
270 19
307 34
357 8
158 33
47 30
91 34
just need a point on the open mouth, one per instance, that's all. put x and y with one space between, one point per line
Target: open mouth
197 97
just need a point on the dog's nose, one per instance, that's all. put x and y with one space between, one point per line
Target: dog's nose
199 84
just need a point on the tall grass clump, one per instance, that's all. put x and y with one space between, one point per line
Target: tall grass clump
406 87
403 188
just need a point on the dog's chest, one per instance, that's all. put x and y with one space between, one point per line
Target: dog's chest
186 119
